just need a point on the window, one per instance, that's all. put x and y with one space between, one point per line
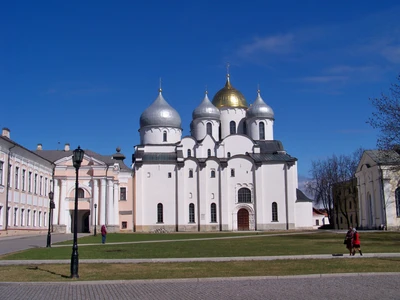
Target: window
9 175
209 152
45 186
34 218
164 136
81 193
35 184
1 172
191 213
397 195
209 128
40 185
22 216
232 172
44 219
16 177
190 173
169 174
232 127
244 195
23 179
213 173
189 153
122 193
9 216
124 225
30 182
15 216
28 221
40 218
261 128
275 212
160 213
317 222
229 154
213 213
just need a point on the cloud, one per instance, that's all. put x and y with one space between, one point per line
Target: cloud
322 79
392 53
50 91
354 131
277 44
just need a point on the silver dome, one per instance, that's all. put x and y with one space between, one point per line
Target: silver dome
206 110
160 113
259 109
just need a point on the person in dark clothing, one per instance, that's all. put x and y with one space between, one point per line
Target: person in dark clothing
103 234
349 240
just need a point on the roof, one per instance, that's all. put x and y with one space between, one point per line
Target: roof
320 212
384 157
271 157
54 155
301 197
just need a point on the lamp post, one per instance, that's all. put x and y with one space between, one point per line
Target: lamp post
77 158
95 222
51 207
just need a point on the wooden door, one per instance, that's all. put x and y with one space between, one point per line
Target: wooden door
243 219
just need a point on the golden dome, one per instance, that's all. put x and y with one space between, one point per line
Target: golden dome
228 96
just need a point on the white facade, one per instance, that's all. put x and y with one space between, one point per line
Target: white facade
378 178
229 175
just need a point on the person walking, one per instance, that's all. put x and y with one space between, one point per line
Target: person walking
103 234
349 240
356 242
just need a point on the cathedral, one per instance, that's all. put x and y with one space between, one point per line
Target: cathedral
228 175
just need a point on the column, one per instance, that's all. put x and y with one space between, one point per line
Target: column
110 202
56 201
102 206
62 220
95 201
116 202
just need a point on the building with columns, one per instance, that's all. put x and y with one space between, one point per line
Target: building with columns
104 193
229 174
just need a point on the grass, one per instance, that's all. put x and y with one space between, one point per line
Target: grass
92 272
257 245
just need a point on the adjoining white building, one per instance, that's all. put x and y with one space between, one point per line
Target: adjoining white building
378 183
229 174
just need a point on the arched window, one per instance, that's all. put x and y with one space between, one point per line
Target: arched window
397 194
274 212
244 128
232 127
164 136
212 173
160 213
209 128
232 172
209 152
189 153
213 213
229 154
191 213
261 128
81 193
190 173
244 195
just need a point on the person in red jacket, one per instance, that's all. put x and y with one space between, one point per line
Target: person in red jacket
103 234
356 242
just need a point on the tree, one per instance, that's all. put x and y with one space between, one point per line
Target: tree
386 118
326 173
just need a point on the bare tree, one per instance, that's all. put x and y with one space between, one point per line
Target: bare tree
326 173
386 118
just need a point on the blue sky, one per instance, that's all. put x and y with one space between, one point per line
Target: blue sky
82 72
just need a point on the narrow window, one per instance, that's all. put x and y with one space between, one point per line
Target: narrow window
28 215
164 136
189 153
124 225
40 218
122 193
35 184
34 218
397 195
275 212
16 177
213 213
81 193
40 185
169 174
229 154
209 128
244 195
22 216
209 152
232 127
212 173
191 213
1 172
15 216
160 213
190 173
232 172
261 128
45 186
30 182
317 222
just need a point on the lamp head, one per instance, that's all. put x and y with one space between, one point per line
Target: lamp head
77 157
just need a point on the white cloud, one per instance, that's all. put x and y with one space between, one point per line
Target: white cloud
277 44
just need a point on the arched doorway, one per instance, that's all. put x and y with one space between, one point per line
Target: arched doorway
243 219
85 221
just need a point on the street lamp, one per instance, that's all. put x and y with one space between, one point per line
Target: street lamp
77 158
95 222
51 207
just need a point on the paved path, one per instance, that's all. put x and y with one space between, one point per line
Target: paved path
310 287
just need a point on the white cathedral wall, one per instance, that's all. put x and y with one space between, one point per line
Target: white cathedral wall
200 129
188 143
201 151
235 144
231 114
253 129
155 135
159 148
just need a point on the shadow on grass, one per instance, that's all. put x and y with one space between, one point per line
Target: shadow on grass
48 271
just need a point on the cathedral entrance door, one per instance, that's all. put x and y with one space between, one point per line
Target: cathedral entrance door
243 219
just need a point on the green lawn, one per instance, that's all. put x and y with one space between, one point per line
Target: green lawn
183 245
